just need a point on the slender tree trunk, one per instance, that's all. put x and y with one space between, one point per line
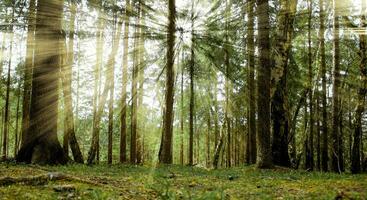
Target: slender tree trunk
116 41
166 153
324 143
192 93
97 71
251 141
335 136
356 149
264 155
182 114
310 145
123 132
16 132
208 139
66 76
227 113
218 150
7 96
318 130
228 86
134 93
42 146
141 79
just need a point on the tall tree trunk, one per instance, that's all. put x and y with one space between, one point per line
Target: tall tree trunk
182 114
97 71
66 76
134 94
29 63
16 132
356 149
208 138
218 149
280 98
324 143
251 141
43 147
7 96
141 79
264 154
166 153
228 86
310 143
318 130
192 92
111 78
123 130
335 136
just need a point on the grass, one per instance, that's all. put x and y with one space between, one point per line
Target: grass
177 182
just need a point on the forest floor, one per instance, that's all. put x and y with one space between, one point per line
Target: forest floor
176 182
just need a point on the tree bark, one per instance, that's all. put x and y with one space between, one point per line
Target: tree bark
182 114
192 93
123 130
29 64
43 147
97 72
264 155
356 147
134 93
7 95
251 141
335 136
111 78
166 153
66 77
16 132
280 98
324 143
310 142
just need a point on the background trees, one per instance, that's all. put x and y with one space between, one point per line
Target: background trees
181 79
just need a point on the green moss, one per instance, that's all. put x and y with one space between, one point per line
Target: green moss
176 182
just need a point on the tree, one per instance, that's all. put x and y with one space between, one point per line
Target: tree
116 41
66 77
29 63
94 150
192 92
124 84
42 145
134 92
356 148
279 104
251 139
336 151
309 138
324 146
7 96
264 157
165 155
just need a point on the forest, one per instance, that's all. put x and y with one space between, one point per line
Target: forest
183 99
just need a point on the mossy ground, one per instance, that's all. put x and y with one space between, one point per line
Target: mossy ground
176 182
